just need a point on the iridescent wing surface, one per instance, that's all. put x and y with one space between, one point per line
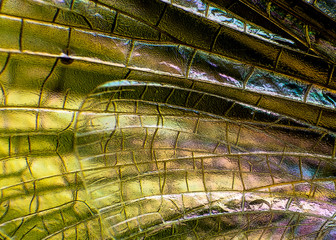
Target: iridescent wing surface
171 119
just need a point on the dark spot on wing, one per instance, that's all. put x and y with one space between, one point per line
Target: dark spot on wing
66 60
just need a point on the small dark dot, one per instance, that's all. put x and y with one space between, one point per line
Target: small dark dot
66 60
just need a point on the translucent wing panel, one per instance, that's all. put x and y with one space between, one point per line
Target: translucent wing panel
167 119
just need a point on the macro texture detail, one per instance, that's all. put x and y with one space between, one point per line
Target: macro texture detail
171 119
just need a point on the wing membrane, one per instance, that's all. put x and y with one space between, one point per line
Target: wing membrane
167 119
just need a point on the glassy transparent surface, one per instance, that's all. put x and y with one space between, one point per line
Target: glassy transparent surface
172 119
